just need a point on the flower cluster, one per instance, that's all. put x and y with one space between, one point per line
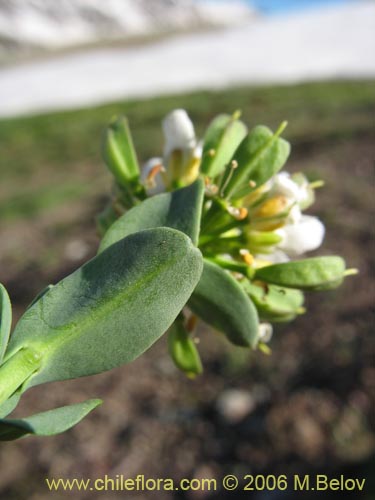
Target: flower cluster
266 226
252 225
276 229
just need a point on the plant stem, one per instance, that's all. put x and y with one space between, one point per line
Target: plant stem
16 370
232 265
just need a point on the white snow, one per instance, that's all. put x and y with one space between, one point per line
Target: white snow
333 42
52 24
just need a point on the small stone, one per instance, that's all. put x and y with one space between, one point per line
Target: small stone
235 404
76 250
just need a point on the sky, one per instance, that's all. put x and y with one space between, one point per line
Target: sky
285 6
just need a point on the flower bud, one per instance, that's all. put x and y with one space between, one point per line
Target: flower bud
183 350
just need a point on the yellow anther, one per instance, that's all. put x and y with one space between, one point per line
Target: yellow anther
272 207
247 257
234 164
243 213
239 213
211 152
191 323
191 171
252 184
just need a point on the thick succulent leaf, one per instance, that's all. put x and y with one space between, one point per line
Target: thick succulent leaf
110 310
5 320
179 210
221 302
260 156
9 405
40 295
119 152
274 303
47 423
183 350
223 136
317 273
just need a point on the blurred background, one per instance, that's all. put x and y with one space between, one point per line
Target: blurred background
68 66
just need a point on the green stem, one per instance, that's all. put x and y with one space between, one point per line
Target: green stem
225 227
232 265
222 245
216 214
16 370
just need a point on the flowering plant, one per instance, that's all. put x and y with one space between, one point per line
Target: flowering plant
211 230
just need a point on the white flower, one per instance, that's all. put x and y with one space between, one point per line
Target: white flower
295 215
276 257
182 156
283 184
306 235
178 132
265 332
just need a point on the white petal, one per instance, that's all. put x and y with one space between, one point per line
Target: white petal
265 331
295 215
303 237
283 184
276 257
158 186
198 150
178 131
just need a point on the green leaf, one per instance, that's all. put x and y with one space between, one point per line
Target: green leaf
110 310
119 152
180 210
9 405
317 273
221 302
5 320
274 303
222 138
260 156
40 295
183 350
47 423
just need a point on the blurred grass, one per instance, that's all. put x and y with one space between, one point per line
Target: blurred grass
51 159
